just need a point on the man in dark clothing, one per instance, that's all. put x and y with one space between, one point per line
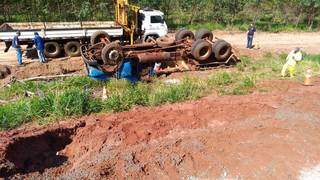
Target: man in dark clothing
16 45
39 43
250 35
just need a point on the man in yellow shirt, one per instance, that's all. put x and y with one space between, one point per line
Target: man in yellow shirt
292 59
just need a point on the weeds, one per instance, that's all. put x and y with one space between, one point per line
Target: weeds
81 96
189 89
72 102
220 79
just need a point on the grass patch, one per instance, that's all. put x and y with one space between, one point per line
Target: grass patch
73 102
188 89
79 96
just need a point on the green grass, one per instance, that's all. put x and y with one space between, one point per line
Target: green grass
80 96
17 90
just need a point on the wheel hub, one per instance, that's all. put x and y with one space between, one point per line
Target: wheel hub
114 55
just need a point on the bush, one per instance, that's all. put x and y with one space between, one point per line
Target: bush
245 62
245 86
220 79
14 114
71 102
122 96
40 107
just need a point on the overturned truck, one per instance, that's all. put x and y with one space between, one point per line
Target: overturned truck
199 50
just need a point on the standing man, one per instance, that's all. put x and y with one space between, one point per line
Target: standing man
39 43
16 45
250 35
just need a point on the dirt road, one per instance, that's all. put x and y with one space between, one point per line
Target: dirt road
273 42
273 135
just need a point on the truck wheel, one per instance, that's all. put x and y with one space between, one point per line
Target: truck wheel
112 56
221 50
52 49
178 32
184 34
72 48
201 50
204 34
99 36
165 41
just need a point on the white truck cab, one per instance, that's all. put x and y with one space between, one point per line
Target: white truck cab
152 23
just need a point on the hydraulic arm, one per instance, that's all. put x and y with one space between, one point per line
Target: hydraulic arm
127 16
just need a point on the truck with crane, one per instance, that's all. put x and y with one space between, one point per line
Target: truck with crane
106 58
65 38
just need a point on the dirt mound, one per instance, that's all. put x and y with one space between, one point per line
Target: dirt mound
263 135
4 71
53 67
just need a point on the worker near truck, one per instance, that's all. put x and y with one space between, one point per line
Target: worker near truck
39 43
250 35
292 59
16 45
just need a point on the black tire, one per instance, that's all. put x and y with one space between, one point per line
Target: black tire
72 48
184 34
201 50
98 36
178 32
221 50
112 56
52 49
165 41
204 34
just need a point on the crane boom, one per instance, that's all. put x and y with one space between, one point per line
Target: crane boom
126 15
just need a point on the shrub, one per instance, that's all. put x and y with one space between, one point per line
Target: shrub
71 102
188 89
220 79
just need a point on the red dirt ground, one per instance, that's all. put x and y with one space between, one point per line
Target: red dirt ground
271 135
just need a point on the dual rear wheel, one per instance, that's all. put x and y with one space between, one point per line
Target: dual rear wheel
204 49
54 50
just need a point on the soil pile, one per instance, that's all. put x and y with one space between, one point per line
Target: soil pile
272 135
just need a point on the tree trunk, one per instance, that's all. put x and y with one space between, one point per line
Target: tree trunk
311 18
193 13
298 19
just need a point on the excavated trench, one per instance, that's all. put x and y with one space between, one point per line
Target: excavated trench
37 153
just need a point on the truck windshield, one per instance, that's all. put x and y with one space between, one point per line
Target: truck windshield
157 19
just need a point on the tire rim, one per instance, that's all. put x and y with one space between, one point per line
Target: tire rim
114 55
224 50
204 51
73 49
51 49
